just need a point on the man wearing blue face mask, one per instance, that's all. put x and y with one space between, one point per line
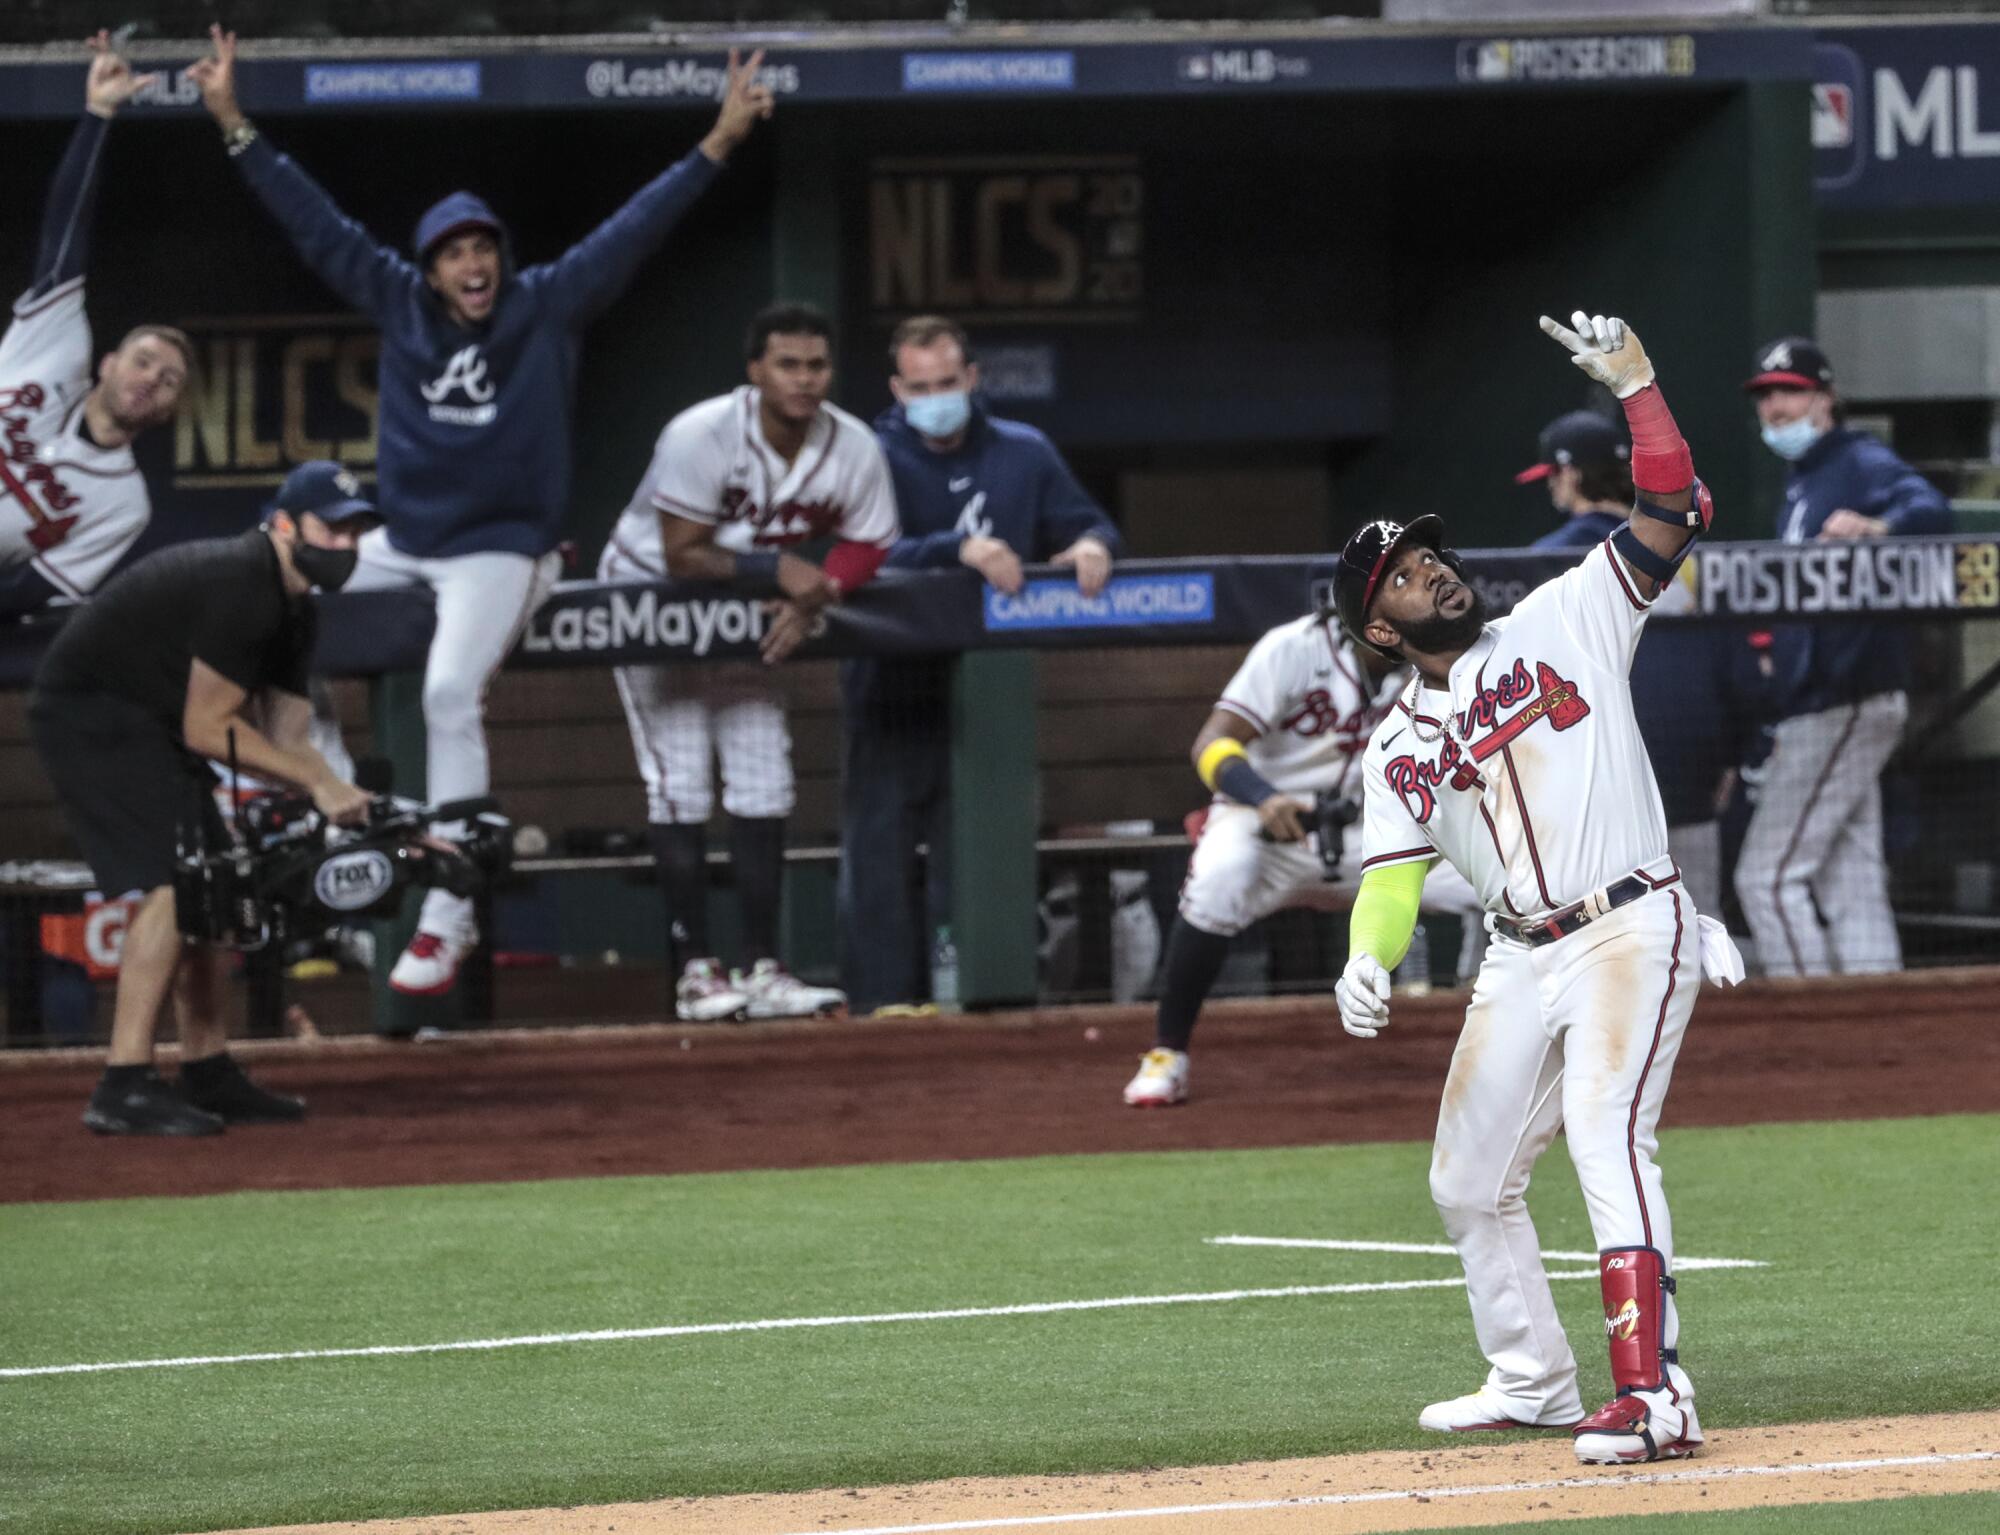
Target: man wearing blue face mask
974 490
1812 877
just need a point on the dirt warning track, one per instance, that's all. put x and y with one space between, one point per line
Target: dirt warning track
1490 1484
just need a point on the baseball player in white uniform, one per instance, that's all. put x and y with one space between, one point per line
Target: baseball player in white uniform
1281 750
1516 757
736 482
71 497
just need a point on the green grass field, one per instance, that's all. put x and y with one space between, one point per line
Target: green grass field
1879 1264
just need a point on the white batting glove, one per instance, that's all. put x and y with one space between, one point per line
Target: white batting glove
1606 350
1363 995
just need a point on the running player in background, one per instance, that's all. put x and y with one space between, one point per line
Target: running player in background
735 482
478 364
1281 751
71 498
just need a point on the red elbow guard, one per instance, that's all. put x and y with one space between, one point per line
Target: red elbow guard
1661 462
1635 1284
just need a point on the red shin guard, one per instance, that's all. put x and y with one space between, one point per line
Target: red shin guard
1636 1284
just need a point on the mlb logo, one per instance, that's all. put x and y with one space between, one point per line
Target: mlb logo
1832 115
1194 66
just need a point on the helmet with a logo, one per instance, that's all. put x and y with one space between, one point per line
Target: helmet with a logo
1367 557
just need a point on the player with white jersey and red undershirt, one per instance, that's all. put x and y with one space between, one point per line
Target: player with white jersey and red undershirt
1281 751
71 497
1515 756
734 484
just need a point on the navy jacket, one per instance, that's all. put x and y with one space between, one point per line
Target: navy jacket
475 424
1005 480
1581 532
1824 666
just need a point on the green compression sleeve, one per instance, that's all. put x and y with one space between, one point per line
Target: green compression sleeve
1385 912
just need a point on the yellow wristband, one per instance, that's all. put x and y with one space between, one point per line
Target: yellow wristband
1214 755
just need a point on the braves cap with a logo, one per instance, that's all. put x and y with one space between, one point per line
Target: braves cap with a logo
1583 438
1790 362
329 491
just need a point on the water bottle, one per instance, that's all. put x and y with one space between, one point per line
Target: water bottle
944 970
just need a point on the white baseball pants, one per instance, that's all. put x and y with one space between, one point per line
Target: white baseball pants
1578 1035
683 717
1236 878
1814 846
483 603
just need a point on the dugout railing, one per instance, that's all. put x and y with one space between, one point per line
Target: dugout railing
1070 770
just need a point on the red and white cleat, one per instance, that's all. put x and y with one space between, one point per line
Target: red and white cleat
703 995
774 992
1637 1427
429 966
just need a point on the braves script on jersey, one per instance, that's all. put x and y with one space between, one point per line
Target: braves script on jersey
1304 690
67 505
1538 786
712 465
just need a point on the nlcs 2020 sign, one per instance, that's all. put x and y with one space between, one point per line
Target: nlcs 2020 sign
1025 239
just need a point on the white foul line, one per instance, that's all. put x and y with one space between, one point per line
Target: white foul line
771 1324
1325 1500
1446 1250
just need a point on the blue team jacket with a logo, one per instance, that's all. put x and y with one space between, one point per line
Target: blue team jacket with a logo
1005 481
475 423
1824 666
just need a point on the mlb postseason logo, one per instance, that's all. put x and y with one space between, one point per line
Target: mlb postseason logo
1542 60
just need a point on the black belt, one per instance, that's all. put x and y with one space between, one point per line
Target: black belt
1561 923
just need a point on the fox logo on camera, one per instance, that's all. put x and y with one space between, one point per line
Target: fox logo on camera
353 881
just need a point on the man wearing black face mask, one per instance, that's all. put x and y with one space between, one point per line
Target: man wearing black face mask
195 650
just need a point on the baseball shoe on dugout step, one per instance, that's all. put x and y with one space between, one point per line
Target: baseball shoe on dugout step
148 1105
218 1086
1161 1082
429 966
1482 1411
774 992
703 995
1637 1427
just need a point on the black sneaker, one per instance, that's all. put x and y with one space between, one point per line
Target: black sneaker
146 1105
219 1086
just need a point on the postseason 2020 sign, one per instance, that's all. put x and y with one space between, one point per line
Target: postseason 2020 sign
1899 576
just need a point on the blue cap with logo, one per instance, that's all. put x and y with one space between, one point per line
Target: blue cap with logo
328 490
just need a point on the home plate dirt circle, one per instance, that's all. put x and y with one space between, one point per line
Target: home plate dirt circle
1488 1483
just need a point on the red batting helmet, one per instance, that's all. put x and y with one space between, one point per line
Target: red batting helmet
1367 556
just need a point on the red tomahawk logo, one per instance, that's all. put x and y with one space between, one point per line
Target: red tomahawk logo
1558 701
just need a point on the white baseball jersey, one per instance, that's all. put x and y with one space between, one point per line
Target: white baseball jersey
1530 774
67 506
1303 687
713 465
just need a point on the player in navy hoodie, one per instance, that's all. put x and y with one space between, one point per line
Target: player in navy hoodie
972 490
1812 877
477 377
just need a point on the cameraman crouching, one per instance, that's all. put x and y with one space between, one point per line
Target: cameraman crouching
154 675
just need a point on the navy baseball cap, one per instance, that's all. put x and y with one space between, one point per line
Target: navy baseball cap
1583 438
328 490
1790 362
